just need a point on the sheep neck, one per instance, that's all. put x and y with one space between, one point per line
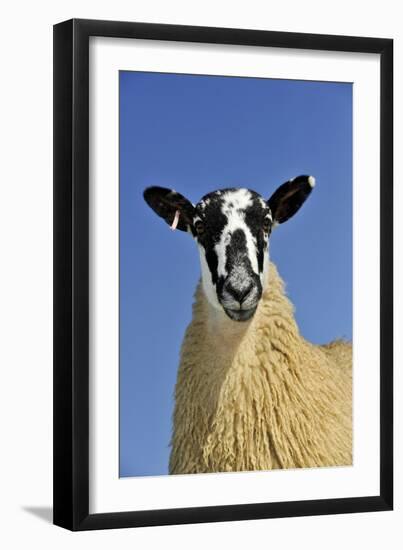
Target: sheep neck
222 330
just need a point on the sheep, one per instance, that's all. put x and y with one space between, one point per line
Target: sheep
251 392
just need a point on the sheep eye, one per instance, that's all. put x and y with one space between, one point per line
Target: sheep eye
266 225
199 226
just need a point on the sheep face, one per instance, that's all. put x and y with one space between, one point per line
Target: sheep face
232 228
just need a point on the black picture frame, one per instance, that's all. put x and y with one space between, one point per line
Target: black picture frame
71 274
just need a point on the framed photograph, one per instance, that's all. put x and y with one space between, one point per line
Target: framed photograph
223 248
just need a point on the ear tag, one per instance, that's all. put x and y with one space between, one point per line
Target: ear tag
176 220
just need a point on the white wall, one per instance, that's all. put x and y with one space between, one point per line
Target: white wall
26 283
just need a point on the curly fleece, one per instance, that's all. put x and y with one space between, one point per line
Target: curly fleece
257 395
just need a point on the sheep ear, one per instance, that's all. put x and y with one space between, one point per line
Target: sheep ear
289 197
171 206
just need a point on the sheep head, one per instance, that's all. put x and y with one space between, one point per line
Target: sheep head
232 228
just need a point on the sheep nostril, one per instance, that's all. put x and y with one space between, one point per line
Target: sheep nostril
240 294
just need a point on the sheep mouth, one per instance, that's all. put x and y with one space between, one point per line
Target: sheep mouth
240 314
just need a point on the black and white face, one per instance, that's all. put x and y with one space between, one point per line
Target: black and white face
232 228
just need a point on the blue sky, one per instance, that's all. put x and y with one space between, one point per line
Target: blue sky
201 133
